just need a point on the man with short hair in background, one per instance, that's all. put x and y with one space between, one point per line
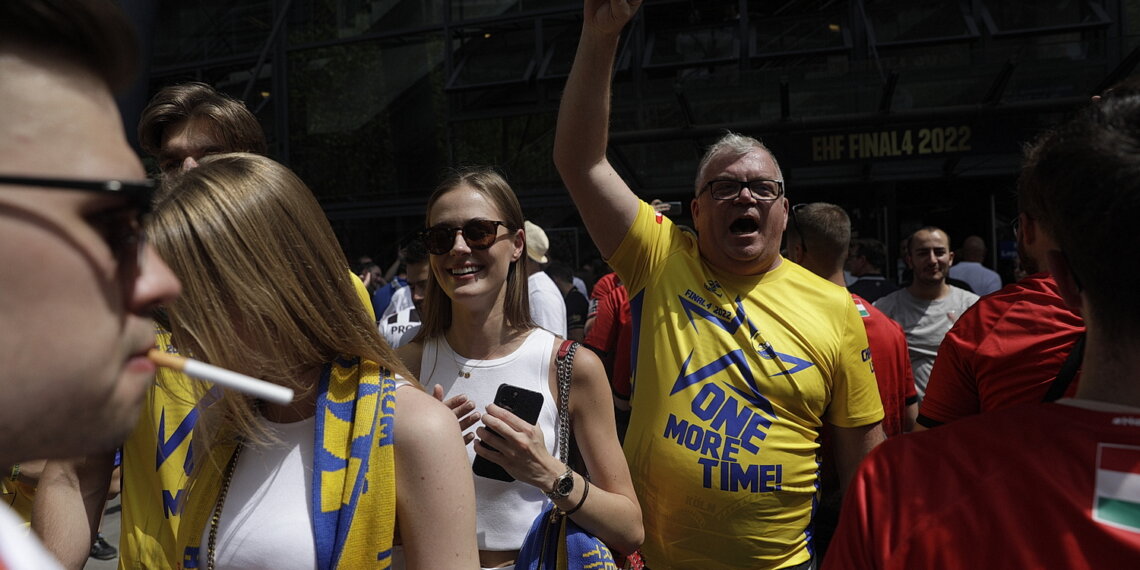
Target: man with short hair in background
818 238
866 262
968 267
928 307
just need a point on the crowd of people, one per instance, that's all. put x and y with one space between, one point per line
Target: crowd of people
745 403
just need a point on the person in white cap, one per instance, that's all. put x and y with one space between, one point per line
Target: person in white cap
546 305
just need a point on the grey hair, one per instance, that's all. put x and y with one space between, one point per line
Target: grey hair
731 144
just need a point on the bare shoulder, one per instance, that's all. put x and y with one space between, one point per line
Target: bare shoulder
587 364
420 417
411 354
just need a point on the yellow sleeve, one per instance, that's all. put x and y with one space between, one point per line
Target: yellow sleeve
362 292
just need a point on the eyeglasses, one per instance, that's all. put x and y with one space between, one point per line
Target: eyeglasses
477 234
761 189
122 228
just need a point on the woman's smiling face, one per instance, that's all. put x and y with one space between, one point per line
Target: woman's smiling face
465 272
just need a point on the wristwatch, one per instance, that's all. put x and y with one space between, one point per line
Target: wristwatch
563 485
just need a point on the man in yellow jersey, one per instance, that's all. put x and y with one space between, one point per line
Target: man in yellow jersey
739 355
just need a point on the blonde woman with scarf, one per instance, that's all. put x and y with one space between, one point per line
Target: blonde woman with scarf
476 334
362 450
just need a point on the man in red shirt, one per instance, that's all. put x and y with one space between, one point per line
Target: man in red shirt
1043 485
818 238
818 235
1008 348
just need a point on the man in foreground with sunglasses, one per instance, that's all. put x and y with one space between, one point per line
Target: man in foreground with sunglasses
739 355
78 282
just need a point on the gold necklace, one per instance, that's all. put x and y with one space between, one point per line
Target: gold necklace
465 373
229 474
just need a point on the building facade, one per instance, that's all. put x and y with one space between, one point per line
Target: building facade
906 113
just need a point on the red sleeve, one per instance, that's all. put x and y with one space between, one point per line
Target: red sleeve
601 290
853 546
952 391
603 335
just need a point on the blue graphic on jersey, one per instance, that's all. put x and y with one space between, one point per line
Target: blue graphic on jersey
167 446
798 364
735 358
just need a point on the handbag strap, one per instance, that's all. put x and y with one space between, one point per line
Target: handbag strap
565 368
1068 371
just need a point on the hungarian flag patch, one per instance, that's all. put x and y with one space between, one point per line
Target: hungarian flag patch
1117 500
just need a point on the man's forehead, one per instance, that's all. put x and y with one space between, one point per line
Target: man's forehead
192 136
929 240
754 163
60 120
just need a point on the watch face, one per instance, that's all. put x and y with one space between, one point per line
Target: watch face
565 485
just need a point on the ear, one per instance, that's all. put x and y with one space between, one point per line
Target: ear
695 208
1066 281
950 258
519 245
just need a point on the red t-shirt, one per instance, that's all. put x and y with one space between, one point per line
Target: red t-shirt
612 334
602 287
1006 349
892 364
1036 486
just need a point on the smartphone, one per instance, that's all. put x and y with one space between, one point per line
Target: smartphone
526 404
674 209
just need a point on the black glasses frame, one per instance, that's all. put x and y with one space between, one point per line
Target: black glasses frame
139 194
444 233
741 185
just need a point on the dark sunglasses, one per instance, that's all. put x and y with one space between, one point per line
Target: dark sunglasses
477 234
122 228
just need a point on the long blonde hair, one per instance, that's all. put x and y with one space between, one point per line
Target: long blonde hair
266 289
516 310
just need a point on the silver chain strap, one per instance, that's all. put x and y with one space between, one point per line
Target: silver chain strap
565 371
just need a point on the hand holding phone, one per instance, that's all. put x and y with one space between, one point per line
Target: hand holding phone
526 404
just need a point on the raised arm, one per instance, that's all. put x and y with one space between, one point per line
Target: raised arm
70 498
435 495
606 204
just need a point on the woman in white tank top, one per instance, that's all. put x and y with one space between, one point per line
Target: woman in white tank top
477 333
266 291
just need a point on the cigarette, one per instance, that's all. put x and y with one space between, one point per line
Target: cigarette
228 378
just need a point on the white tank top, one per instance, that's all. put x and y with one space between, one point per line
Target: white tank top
267 519
504 511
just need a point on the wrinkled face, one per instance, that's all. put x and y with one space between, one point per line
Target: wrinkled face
469 275
417 280
930 257
742 235
74 306
185 143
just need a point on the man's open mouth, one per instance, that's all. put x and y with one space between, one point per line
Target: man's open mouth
744 225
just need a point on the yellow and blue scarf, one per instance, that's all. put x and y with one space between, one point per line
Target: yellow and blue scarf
354 478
